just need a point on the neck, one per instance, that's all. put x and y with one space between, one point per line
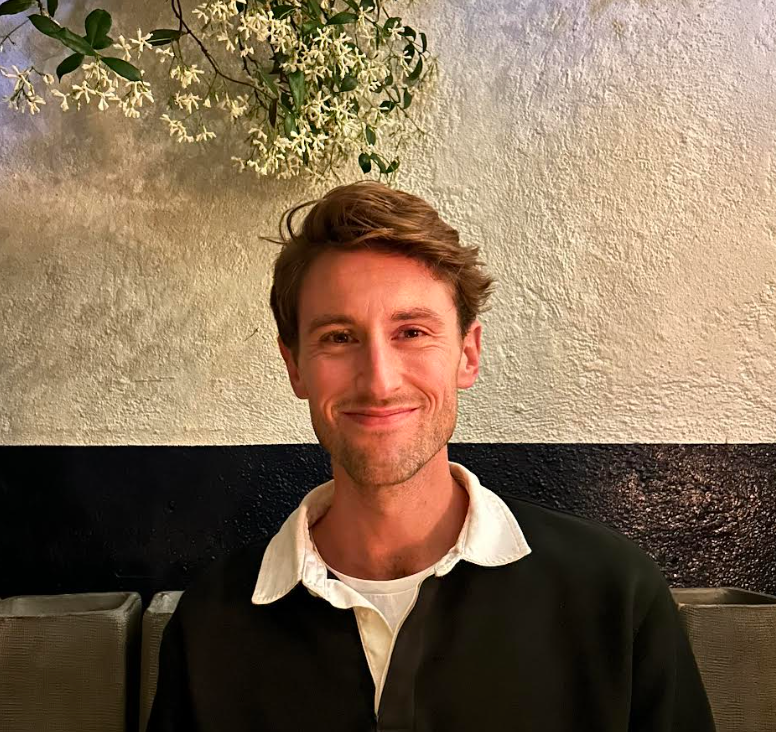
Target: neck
393 531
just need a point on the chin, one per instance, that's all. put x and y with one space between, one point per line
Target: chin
364 469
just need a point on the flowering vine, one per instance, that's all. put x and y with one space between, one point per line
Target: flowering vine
309 83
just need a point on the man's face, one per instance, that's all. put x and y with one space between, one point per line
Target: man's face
380 361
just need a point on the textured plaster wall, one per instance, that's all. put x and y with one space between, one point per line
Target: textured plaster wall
614 160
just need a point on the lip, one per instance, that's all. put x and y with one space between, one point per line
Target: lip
380 419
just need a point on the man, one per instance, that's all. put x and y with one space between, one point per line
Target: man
404 595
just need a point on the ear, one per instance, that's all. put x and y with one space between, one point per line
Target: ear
293 371
469 365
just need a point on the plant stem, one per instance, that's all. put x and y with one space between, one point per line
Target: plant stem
248 71
7 37
176 9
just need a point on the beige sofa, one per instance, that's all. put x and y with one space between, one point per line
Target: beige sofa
83 663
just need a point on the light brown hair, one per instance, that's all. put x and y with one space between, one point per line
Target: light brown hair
370 215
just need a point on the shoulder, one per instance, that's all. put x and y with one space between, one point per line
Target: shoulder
554 528
587 556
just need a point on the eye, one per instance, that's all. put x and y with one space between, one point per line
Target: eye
341 337
335 336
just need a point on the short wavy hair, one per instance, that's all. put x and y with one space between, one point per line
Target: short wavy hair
371 215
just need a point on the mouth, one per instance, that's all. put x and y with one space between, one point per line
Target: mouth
380 419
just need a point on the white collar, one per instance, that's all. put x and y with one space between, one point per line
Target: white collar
490 537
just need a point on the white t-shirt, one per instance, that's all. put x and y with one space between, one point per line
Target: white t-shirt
391 597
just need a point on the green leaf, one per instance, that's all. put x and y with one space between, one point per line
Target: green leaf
51 6
273 112
391 22
50 28
352 4
289 124
281 11
241 6
11 7
407 99
163 36
387 105
286 102
422 42
368 4
71 63
370 135
409 52
314 7
379 161
392 167
103 42
342 18
416 71
45 25
296 82
76 43
408 32
97 25
268 81
349 83
388 80
365 162
310 25
122 68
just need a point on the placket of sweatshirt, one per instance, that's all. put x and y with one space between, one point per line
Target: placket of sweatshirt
377 638
379 641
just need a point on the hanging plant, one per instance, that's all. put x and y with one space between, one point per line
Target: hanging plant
310 83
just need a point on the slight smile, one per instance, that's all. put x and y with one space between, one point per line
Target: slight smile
376 418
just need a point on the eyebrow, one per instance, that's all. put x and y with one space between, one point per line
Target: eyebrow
397 316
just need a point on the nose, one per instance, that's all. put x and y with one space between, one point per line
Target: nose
379 373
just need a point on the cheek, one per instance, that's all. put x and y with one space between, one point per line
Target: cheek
436 374
328 380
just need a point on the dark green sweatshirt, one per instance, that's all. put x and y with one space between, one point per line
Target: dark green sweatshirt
582 635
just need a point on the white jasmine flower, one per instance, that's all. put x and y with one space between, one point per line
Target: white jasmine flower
200 12
177 129
223 36
395 33
34 102
141 41
205 135
82 90
125 47
187 75
63 105
187 101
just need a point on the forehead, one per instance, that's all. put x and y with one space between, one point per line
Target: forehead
365 282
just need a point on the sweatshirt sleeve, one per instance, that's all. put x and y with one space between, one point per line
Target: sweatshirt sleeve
172 709
668 693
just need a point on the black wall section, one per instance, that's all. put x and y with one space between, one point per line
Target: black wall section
76 519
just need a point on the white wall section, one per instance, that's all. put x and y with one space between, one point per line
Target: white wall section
615 160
